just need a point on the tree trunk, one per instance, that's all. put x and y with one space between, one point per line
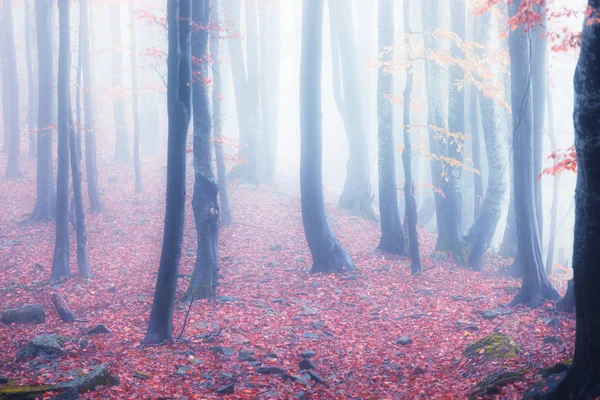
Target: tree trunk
327 253
137 166
482 232
535 287
31 100
217 94
393 239
409 188
121 136
10 93
60 262
160 326
356 194
555 188
78 118
88 110
583 378
476 145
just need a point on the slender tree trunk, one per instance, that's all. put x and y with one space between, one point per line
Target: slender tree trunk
31 100
121 136
179 13
409 188
78 84
393 239
476 142
10 93
60 261
535 287
135 103
217 94
88 109
45 205
327 253
555 187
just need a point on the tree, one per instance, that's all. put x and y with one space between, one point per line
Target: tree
535 287
205 277
409 189
60 261
88 109
555 186
31 100
179 102
121 137
582 380
226 216
327 253
45 205
393 239
10 93
356 194
135 103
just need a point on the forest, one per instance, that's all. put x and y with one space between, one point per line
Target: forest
300 199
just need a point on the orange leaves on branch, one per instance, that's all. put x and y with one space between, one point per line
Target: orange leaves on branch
563 161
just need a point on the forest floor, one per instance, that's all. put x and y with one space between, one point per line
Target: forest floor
273 307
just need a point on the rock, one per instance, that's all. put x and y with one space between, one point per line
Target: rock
69 394
403 340
98 330
308 354
306 311
315 377
226 389
496 345
300 396
307 364
254 363
466 325
245 356
280 300
418 371
83 342
3 380
227 299
142 375
552 340
226 351
38 267
270 370
111 289
424 292
490 385
41 346
271 264
271 355
303 378
300 259
556 368
349 278
461 298
100 376
31 313
183 371
554 323
317 324
310 335
276 247
549 383
489 314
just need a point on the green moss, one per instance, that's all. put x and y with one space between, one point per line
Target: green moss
24 392
496 345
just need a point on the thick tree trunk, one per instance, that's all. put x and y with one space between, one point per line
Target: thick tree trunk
535 287
10 93
476 145
137 166
482 232
555 188
409 189
583 378
393 239
179 13
121 136
205 277
217 94
327 253
31 100
356 194
60 261
45 205
88 110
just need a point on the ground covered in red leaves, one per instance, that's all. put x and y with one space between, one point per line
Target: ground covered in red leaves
274 308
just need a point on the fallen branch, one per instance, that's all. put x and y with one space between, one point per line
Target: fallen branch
63 310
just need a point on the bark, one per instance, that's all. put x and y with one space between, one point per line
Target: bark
327 253
409 189
31 100
482 232
66 315
476 150
393 239
78 119
356 194
137 166
160 326
88 110
121 135
225 205
535 287
10 93
555 189
583 378
45 205
60 261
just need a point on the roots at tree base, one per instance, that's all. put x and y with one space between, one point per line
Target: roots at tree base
534 295
331 257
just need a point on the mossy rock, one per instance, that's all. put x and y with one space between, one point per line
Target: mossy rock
24 392
491 384
44 346
496 345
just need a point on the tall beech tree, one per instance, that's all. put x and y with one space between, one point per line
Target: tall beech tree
535 287
10 92
205 277
45 204
582 380
31 84
60 262
555 185
179 105
393 239
327 253
121 135
137 165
